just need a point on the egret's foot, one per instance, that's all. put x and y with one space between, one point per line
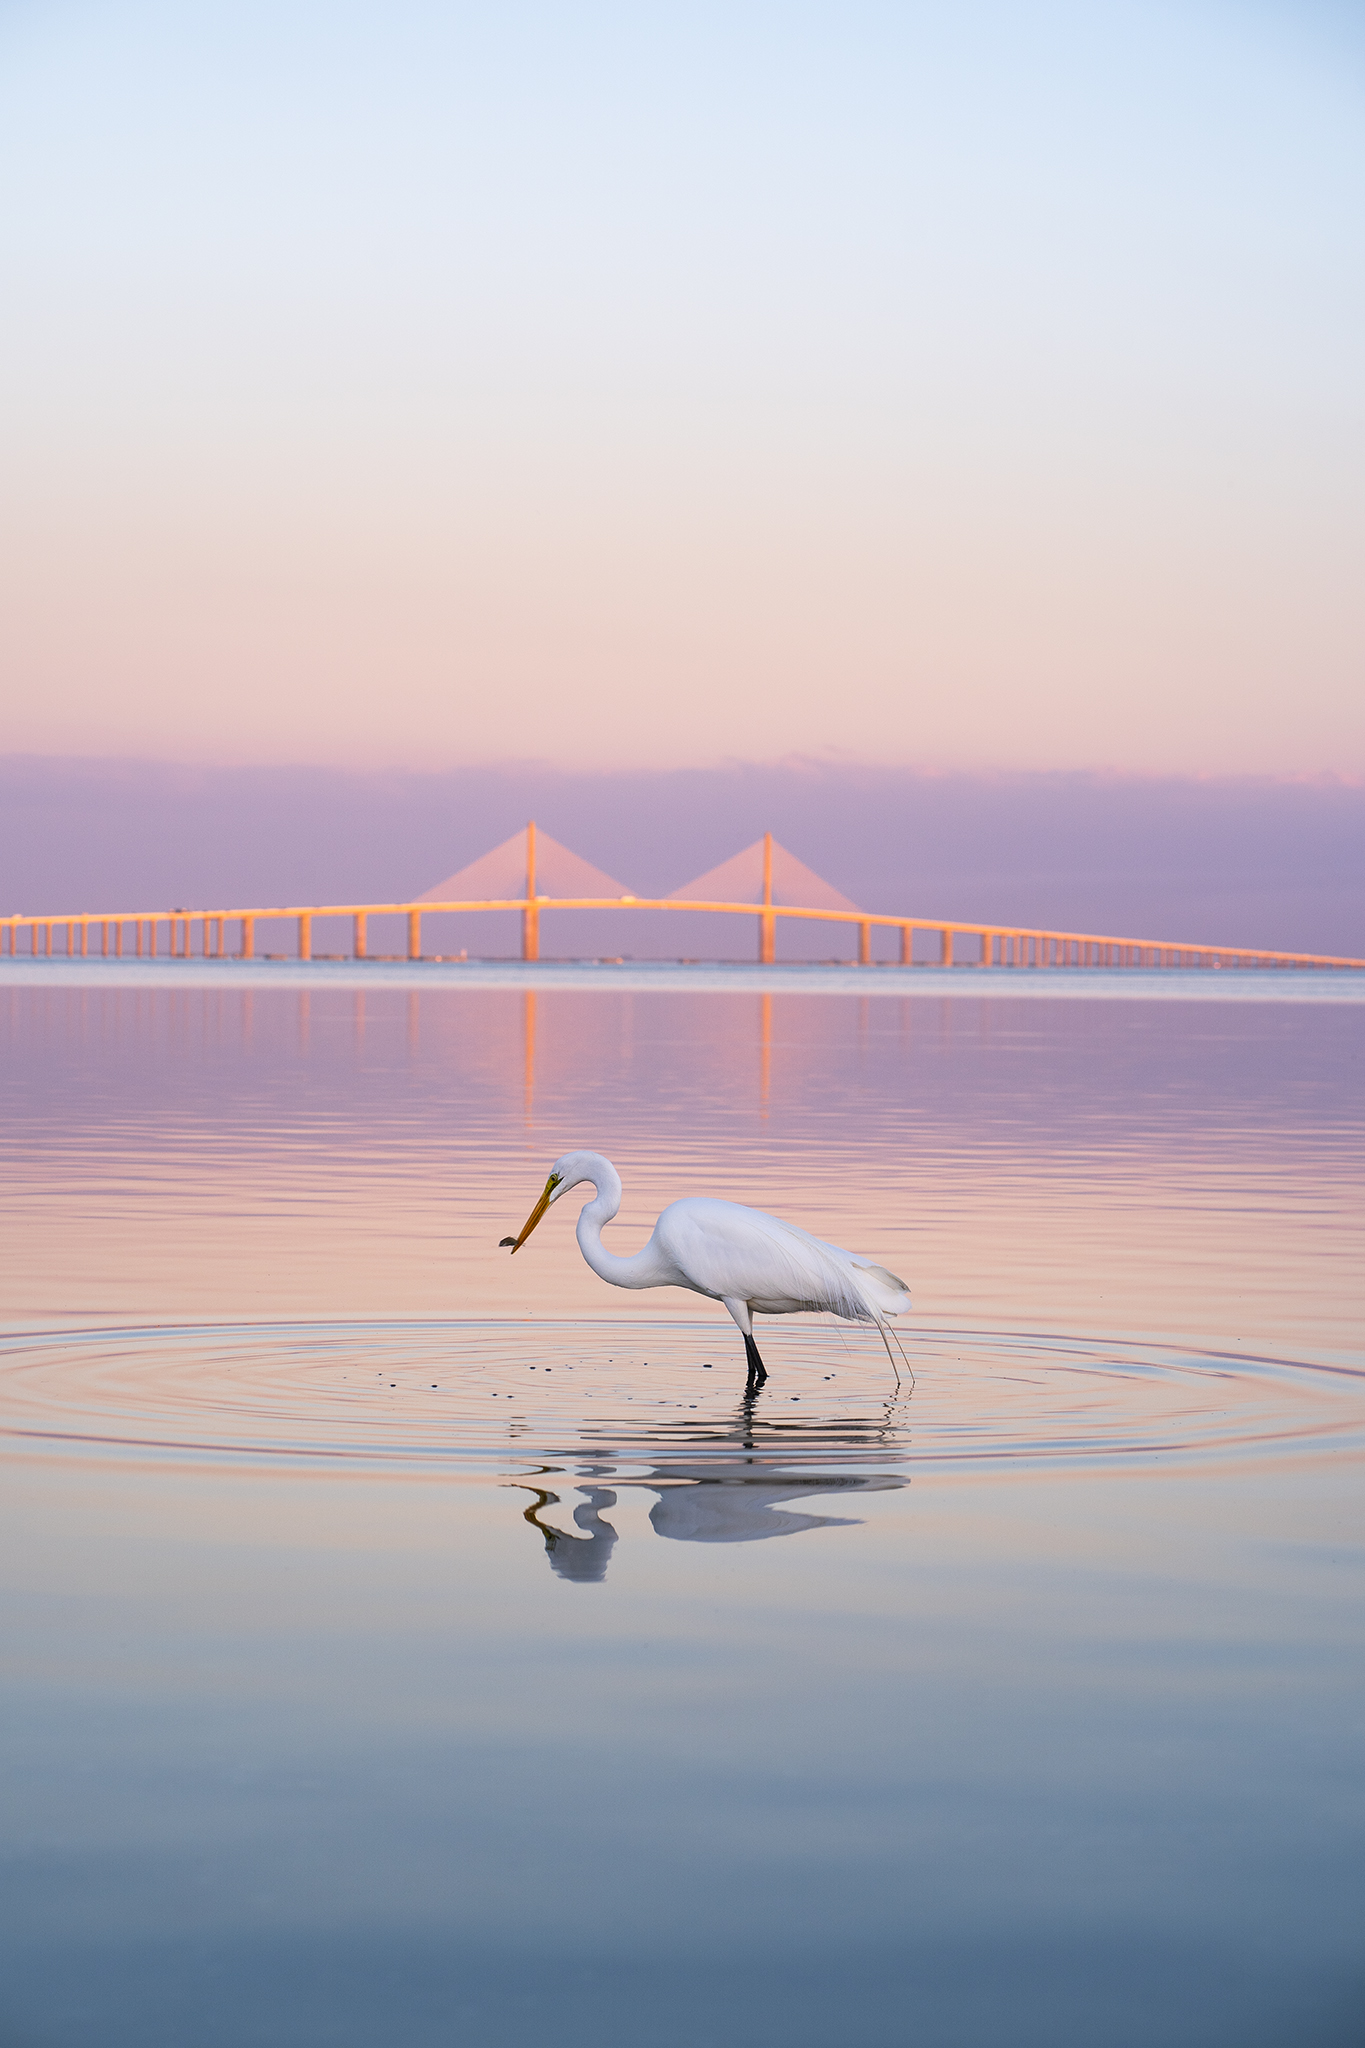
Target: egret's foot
758 1372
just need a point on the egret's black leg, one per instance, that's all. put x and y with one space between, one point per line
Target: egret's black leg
758 1372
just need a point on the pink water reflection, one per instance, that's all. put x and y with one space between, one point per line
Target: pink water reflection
1171 1168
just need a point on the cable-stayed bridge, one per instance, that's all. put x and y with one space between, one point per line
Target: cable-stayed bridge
764 882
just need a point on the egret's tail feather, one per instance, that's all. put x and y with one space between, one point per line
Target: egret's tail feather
885 1292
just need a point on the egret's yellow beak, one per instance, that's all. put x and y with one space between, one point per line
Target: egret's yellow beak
529 1225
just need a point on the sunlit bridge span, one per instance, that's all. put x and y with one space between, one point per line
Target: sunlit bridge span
764 882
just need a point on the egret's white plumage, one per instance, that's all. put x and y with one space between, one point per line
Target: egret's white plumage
752 1262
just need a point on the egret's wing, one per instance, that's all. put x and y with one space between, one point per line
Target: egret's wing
732 1252
881 1292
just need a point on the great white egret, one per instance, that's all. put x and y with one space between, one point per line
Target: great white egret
750 1261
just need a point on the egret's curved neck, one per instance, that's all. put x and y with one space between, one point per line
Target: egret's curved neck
636 1271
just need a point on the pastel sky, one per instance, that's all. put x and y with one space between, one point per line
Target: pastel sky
642 386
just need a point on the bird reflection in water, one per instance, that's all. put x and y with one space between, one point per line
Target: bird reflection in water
584 1558
741 1498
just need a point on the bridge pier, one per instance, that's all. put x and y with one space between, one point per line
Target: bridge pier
530 916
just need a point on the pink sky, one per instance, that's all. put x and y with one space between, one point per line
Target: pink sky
972 388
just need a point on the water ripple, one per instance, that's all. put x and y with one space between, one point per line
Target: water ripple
606 1398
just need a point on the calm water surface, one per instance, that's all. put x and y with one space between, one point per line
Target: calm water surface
397 1640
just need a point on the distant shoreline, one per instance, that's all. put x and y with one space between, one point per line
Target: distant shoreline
673 977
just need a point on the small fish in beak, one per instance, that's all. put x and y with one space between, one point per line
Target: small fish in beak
529 1225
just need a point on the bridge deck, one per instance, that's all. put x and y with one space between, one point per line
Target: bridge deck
1006 945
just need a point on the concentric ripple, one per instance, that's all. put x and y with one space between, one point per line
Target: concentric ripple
612 1396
